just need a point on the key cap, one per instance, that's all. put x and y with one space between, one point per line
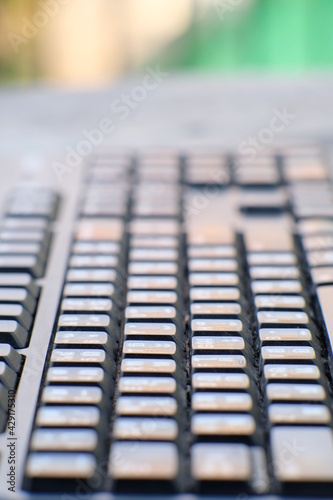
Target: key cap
215 309
276 287
324 294
271 258
152 268
231 424
16 312
291 372
221 462
296 392
274 272
308 453
150 312
64 440
259 236
146 405
287 352
152 283
211 252
212 265
99 230
7 377
93 261
68 416
85 321
312 243
151 429
218 293
150 297
87 305
282 317
96 248
20 248
149 461
218 361
13 333
73 374
95 339
154 242
213 279
91 275
72 395
284 334
218 343
148 365
158 254
298 414
11 357
216 325
23 236
98 356
279 302
149 347
311 227
25 263
24 223
168 329
89 290
322 275
213 401
147 385
61 465
165 227
19 296
220 381
15 280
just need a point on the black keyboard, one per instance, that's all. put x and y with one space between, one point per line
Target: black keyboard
188 347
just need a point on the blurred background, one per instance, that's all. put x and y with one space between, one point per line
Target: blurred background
90 43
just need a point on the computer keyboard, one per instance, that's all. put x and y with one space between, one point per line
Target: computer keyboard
191 353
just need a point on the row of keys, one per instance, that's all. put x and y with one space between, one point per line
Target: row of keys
76 400
294 386
223 424
148 431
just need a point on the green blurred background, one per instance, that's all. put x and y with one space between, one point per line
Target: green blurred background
92 42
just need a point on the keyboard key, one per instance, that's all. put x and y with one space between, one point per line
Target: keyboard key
231 424
282 317
161 429
157 254
309 453
271 258
220 381
146 405
99 230
221 462
215 309
152 268
287 353
162 227
91 275
87 305
73 374
96 248
284 334
276 287
291 372
61 465
274 272
19 296
89 290
148 365
150 297
64 440
218 361
149 347
211 252
299 414
154 328
295 392
25 263
15 280
214 293
79 356
218 343
150 312
279 302
147 385
84 321
154 242
213 401
14 312
213 279
93 261
68 416
152 283
216 325
11 357
144 461
72 395
13 333
212 265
